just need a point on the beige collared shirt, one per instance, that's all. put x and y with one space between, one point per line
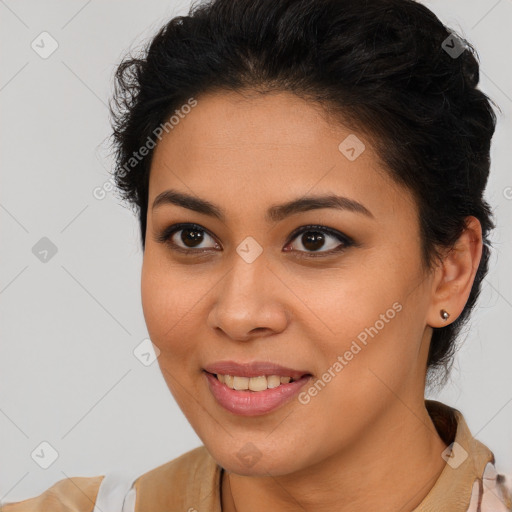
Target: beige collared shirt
469 481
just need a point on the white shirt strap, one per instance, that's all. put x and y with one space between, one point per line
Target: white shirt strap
116 493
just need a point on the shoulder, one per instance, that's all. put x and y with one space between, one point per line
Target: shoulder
191 474
189 466
190 462
493 492
192 478
77 494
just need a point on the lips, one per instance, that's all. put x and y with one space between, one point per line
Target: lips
254 369
253 403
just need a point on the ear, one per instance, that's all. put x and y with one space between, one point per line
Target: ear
455 275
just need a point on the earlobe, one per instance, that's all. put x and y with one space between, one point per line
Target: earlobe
455 276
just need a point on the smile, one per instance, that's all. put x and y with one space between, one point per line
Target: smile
253 396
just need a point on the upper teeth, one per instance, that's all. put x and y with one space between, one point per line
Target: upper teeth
253 383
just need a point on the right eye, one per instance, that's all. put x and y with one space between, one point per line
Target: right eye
192 235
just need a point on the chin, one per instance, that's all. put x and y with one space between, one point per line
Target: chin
246 459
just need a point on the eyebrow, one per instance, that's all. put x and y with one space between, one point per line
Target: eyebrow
274 214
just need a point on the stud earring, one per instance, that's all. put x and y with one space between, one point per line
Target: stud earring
444 314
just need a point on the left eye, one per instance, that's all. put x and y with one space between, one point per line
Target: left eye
313 239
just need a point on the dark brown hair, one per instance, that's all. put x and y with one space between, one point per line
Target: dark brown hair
384 66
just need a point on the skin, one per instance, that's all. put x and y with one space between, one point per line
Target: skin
368 427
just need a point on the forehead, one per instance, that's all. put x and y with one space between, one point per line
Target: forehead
250 121
267 148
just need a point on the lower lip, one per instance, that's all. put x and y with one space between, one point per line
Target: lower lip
253 403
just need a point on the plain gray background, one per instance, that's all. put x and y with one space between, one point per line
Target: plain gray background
69 325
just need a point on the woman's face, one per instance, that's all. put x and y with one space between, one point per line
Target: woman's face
344 302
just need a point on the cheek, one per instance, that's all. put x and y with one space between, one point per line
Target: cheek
169 303
168 300
371 316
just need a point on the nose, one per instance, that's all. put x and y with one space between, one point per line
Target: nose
250 302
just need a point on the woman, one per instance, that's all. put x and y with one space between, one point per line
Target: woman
309 179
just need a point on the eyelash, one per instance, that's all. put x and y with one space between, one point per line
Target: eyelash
166 234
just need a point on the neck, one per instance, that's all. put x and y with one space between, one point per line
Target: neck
402 453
